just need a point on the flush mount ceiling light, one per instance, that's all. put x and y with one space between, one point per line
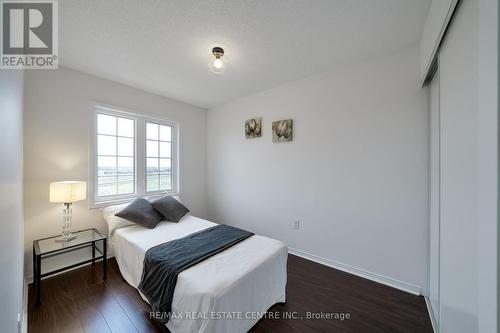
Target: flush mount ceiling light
216 65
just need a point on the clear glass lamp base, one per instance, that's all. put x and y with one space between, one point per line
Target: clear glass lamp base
65 238
66 234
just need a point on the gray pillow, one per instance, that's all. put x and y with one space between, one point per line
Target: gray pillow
141 212
171 209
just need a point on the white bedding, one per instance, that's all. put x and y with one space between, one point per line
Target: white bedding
240 282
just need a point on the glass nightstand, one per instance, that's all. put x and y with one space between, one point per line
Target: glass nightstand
52 246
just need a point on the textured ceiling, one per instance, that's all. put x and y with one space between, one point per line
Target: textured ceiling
164 46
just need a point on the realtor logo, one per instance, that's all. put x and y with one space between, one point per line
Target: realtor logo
29 34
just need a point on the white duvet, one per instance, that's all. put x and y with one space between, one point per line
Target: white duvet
238 284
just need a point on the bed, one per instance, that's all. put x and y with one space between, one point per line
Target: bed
227 292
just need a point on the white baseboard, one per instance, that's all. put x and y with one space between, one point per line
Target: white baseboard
404 286
431 315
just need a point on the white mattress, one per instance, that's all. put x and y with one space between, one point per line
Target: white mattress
240 282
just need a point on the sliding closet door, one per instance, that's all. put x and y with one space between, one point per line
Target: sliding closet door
434 196
459 155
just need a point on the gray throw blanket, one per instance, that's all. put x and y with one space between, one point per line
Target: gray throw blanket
164 262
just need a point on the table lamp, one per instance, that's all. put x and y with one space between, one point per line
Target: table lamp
67 192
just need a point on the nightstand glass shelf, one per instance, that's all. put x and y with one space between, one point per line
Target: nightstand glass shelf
53 246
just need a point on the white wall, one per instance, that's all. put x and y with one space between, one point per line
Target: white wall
355 175
56 136
11 196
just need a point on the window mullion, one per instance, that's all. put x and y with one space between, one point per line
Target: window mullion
116 158
173 158
141 157
158 159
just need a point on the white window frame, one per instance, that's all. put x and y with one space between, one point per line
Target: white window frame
140 121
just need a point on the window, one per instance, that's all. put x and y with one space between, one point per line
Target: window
158 157
133 156
115 155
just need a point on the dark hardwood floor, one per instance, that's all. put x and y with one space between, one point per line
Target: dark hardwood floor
79 301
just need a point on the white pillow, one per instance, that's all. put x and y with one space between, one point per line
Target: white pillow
155 197
177 197
115 222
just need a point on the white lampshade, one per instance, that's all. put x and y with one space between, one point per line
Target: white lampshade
68 191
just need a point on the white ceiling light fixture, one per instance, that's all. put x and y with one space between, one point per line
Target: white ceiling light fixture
216 65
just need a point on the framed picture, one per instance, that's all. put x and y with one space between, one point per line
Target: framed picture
253 128
282 130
